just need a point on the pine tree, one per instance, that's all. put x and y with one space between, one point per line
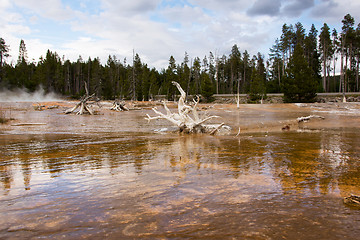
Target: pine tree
335 44
312 54
4 49
357 55
207 87
235 60
171 75
196 71
347 38
299 84
137 77
258 79
23 57
23 78
325 48
275 62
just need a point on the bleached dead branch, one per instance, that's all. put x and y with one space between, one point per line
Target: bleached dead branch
119 106
187 118
84 108
305 119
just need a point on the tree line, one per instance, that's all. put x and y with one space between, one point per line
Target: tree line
299 64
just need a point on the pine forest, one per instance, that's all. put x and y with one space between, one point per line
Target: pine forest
300 64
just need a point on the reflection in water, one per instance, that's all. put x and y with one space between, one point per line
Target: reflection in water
264 186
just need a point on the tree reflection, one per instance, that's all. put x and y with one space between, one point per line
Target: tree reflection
318 162
26 171
6 177
314 162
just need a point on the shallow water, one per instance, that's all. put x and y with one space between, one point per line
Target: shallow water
111 176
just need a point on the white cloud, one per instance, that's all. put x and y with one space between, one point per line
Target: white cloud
223 5
51 9
294 8
130 7
265 7
333 11
156 30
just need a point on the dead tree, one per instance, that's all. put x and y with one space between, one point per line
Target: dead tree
119 106
83 105
187 117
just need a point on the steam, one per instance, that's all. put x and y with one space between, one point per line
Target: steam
22 95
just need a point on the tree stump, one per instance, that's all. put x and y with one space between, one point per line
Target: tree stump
187 118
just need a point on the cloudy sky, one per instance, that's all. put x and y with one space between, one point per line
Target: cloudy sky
157 29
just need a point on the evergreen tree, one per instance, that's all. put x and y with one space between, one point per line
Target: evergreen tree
276 63
246 72
235 59
312 54
21 68
212 68
326 52
207 87
357 56
258 79
108 80
67 77
221 74
286 43
170 77
4 53
335 44
4 49
299 84
196 71
299 37
347 38
137 70
145 86
23 57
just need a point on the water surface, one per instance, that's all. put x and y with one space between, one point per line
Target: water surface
111 176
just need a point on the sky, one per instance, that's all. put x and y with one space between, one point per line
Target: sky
158 29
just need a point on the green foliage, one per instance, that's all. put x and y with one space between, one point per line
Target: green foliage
207 88
4 49
295 67
299 84
257 89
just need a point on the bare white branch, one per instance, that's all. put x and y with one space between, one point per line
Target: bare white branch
182 119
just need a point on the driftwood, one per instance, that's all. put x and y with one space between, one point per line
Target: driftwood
83 105
39 107
27 124
305 119
187 118
119 106
352 200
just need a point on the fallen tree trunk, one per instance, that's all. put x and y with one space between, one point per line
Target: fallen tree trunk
305 119
187 118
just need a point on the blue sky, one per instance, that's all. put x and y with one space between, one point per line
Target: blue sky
157 29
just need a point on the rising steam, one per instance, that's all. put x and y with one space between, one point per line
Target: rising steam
22 95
